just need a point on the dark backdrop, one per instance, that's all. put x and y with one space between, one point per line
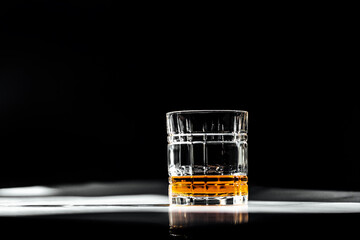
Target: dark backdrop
84 88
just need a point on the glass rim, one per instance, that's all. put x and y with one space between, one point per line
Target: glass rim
205 111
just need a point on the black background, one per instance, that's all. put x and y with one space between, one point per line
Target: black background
84 88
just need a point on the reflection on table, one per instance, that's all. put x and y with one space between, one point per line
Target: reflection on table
183 218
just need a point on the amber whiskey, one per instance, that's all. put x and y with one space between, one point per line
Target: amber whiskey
209 186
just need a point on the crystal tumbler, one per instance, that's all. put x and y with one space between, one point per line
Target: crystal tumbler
207 157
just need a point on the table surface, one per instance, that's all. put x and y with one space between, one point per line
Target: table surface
141 209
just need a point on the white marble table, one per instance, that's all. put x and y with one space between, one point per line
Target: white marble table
129 206
34 206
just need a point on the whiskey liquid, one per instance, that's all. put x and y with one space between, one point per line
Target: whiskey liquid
209 185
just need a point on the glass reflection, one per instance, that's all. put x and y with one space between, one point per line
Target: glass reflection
183 219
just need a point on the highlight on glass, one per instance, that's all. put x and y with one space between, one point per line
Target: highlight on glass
207 157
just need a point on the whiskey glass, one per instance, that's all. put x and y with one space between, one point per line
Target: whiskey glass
207 157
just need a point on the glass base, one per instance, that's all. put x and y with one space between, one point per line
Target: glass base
222 201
